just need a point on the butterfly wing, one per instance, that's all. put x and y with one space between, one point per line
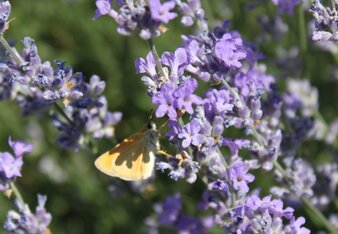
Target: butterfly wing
129 160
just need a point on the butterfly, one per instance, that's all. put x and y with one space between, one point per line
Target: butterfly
134 158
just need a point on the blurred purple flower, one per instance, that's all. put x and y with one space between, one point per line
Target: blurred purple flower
286 6
191 10
5 10
169 210
104 7
24 221
326 28
326 184
20 147
161 12
300 176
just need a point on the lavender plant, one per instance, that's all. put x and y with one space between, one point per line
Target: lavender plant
241 95
23 221
229 119
38 87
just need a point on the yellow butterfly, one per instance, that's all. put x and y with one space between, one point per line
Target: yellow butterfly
134 158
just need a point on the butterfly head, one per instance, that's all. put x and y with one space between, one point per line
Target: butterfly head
151 126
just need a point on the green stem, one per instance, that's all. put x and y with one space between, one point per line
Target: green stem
208 11
333 5
156 57
17 193
60 110
302 30
321 218
12 52
319 116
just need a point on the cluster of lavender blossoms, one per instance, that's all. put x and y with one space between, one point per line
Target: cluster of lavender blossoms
241 95
81 113
213 83
23 221
147 18
326 21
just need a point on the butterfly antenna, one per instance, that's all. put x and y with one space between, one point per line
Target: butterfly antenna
165 123
151 114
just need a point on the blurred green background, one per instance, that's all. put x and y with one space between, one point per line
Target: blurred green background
78 195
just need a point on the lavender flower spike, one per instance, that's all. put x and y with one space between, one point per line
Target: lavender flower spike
5 9
24 221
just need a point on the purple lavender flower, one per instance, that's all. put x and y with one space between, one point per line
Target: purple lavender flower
259 215
20 147
286 5
187 224
146 65
177 62
104 7
169 210
5 9
166 102
191 10
161 12
38 86
325 185
217 103
190 134
141 16
235 145
326 28
169 213
219 185
254 82
24 221
10 166
185 97
301 177
296 226
302 97
174 129
240 178
180 166
229 50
